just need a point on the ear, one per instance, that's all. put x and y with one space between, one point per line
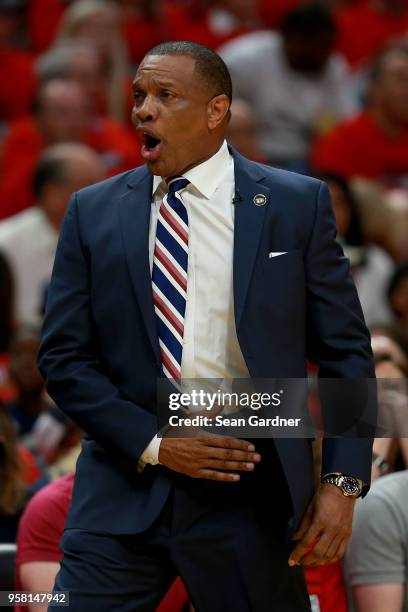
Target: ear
217 111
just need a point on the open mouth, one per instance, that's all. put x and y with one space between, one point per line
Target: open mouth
150 147
151 142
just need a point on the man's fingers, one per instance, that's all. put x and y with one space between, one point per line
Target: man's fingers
333 548
341 550
303 547
228 454
221 476
330 548
230 465
318 552
225 442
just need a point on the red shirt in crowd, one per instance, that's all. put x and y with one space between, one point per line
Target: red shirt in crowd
363 30
16 68
140 35
40 530
327 583
43 20
117 144
359 147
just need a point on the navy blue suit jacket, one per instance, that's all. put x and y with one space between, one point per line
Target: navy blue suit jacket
100 354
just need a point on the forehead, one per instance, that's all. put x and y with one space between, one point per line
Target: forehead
175 69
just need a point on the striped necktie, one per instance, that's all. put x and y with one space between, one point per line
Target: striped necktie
169 276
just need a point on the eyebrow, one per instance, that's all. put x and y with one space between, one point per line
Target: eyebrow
157 81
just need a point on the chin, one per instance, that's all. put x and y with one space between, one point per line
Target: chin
160 169
155 168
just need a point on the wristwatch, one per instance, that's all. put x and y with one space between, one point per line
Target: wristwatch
349 485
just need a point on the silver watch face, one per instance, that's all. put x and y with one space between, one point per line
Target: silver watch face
350 485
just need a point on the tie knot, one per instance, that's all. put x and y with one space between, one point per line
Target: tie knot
177 184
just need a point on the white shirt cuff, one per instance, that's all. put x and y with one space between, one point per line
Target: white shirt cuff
150 454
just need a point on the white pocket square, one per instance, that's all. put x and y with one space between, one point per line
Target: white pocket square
276 254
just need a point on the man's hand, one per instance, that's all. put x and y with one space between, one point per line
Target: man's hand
325 528
208 456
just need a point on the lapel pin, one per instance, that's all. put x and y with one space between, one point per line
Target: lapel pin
259 199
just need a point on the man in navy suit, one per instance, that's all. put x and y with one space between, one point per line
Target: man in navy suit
200 264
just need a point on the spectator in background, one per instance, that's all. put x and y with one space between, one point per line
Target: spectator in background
42 428
371 266
365 27
79 61
242 131
98 22
38 550
29 239
293 81
377 556
57 99
16 63
373 143
39 534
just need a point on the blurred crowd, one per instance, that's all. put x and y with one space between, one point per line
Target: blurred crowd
321 88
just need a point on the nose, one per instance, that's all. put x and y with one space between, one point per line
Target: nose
147 110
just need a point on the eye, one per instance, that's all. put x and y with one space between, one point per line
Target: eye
138 96
165 93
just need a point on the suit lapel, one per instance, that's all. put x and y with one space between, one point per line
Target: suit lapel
248 223
134 210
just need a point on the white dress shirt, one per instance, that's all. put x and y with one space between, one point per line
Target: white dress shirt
210 343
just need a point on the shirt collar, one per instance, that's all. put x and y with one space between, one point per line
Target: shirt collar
206 176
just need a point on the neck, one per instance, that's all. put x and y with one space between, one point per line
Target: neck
216 147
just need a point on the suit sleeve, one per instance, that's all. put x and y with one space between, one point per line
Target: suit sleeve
339 342
68 357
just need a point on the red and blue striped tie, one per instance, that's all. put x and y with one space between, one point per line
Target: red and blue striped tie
169 276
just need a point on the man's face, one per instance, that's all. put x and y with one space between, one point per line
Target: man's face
64 114
170 114
87 70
